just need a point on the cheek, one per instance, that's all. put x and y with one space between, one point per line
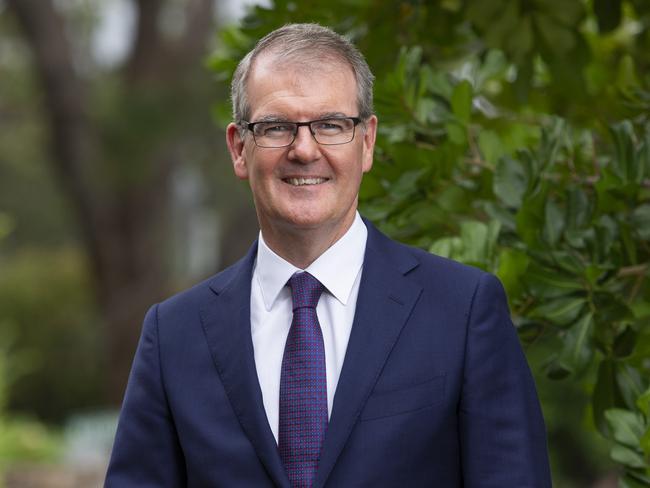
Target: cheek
261 175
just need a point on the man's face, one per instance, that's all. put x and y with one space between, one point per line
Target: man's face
304 185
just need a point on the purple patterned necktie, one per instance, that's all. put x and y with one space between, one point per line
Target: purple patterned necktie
303 385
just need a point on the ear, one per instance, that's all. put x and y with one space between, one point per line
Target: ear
236 148
369 136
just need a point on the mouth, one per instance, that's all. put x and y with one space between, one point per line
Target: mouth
304 181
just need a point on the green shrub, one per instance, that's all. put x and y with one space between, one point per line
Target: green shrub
46 309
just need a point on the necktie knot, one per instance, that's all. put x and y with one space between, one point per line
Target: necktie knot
305 290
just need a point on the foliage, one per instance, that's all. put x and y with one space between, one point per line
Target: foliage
514 136
20 438
47 312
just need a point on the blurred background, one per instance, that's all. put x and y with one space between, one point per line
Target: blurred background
514 136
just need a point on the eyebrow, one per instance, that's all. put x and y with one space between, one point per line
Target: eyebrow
272 118
284 118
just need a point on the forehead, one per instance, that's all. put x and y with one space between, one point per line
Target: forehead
300 89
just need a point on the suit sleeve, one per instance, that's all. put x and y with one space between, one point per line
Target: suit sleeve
146 452
502 431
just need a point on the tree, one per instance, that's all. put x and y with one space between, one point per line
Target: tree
115 141
514 136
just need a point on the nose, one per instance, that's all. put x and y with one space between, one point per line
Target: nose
304 148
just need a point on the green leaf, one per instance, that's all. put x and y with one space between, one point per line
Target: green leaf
437 82
426 111
457 133
641 221
378 209
448 247
626 426
495 210
626 79
578 208
558 37
644 156
494 229
499 27
478 241
566 261
553 222
544 283
491 146
522 85
644 443
530 218
563 11
624 163
560 311
577 351
643 402
634 479
453 199
510 181
461 101
624 343
371 187
627 457
482 13
611 308
606 394
512 266
554 137
474 236
520 41
629 243
606 234
630 384
406 185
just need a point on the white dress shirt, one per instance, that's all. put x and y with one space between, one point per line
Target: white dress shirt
339 270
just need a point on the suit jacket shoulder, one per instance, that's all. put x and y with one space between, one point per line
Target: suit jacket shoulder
444 277
175 309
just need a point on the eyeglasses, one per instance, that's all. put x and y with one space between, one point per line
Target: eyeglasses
329 132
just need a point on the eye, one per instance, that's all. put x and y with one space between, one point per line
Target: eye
273 129
329 126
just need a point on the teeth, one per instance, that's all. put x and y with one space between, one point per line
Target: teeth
304 181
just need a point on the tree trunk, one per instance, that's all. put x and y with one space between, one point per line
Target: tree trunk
120 199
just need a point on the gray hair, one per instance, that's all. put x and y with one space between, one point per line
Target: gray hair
304 44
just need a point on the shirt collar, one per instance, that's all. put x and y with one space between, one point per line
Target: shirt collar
337 268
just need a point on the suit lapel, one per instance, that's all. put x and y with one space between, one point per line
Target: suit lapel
226 322
386 298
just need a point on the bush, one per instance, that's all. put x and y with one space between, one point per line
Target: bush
47 310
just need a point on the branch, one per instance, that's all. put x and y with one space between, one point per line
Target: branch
198 27
147 48
635 270
639 271
153 57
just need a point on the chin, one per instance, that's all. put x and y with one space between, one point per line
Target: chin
306 222
304 219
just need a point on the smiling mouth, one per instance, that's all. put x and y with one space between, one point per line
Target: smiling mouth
304 181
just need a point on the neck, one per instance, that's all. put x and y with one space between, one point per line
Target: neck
301 247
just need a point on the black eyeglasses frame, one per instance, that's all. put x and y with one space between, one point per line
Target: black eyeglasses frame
251 125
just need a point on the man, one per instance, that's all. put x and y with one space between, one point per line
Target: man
329 355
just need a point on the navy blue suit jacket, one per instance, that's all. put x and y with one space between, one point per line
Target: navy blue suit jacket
434 391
